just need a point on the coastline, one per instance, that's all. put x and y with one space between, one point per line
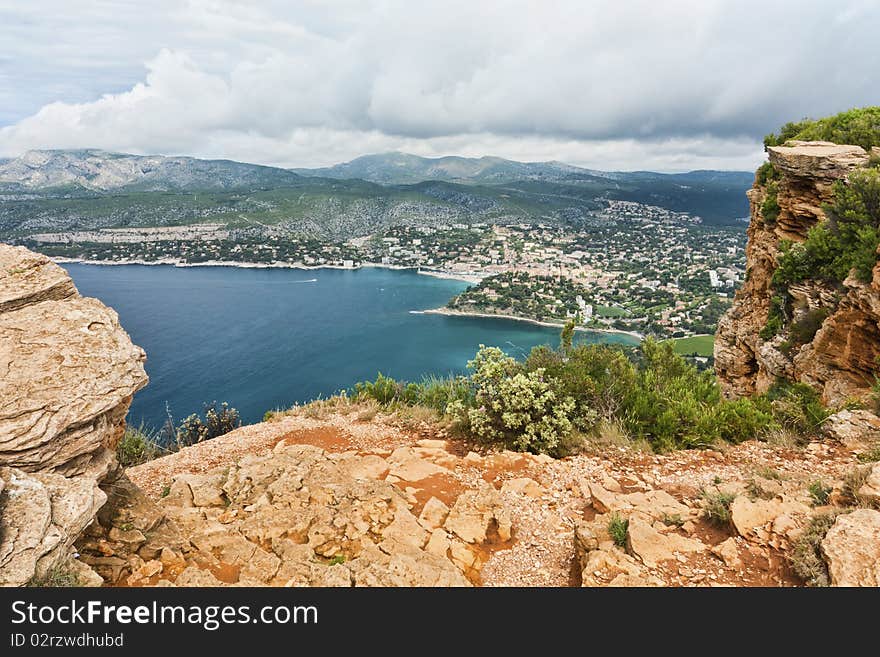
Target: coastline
458 313
466 278
265 265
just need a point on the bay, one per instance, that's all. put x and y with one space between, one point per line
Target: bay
263 339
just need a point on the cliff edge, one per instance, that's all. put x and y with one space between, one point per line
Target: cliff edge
67 375
838 355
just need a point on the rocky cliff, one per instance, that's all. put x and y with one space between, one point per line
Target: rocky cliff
840 359
67 375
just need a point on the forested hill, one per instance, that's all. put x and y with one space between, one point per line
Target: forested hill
85 189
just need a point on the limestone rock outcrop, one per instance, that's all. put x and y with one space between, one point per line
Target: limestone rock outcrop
67 375
29 278
852 549
42 513
852 428
69 370
300 516
840 361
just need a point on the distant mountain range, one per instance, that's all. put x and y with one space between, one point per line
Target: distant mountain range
404 169
60 190
101 171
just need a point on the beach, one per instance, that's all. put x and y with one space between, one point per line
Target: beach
459 313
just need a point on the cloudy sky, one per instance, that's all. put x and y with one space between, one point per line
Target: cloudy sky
608 84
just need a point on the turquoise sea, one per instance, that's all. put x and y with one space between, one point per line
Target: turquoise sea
266 338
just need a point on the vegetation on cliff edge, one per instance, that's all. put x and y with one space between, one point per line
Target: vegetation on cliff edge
140 444
846 243
859 126
847 240
555 398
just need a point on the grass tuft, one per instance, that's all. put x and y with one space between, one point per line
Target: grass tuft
819 492
716 507
138 445
806 555
618 528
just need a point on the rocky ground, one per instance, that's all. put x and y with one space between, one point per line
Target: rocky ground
350 496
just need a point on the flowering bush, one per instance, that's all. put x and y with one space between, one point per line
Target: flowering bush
521 410
549 402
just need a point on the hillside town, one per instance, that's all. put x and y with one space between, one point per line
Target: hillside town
629 267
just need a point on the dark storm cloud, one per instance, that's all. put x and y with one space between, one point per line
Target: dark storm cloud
608 84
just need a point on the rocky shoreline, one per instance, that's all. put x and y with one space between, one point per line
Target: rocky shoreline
264 265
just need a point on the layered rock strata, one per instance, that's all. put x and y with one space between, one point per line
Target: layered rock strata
840 361
67 375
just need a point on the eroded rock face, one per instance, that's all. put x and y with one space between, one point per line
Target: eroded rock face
67 375
852 549
69 371
840 360
853 429
29 278
42 514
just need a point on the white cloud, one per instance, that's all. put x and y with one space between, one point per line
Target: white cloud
605 84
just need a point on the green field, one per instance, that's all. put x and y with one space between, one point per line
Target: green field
610 311
702 345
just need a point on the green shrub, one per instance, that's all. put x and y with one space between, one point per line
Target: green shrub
137 445
819 492
859 126
870 455
770 206
547 403
789 131
766 173
847 241
775 318
433 392
739 420
852 482
383 390
219 420
61 576
673 405
439 392
566 337
618 527
804 330
716 507
520 410
806 555
597 377
796 407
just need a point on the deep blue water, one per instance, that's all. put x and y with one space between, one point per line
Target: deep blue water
266 338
